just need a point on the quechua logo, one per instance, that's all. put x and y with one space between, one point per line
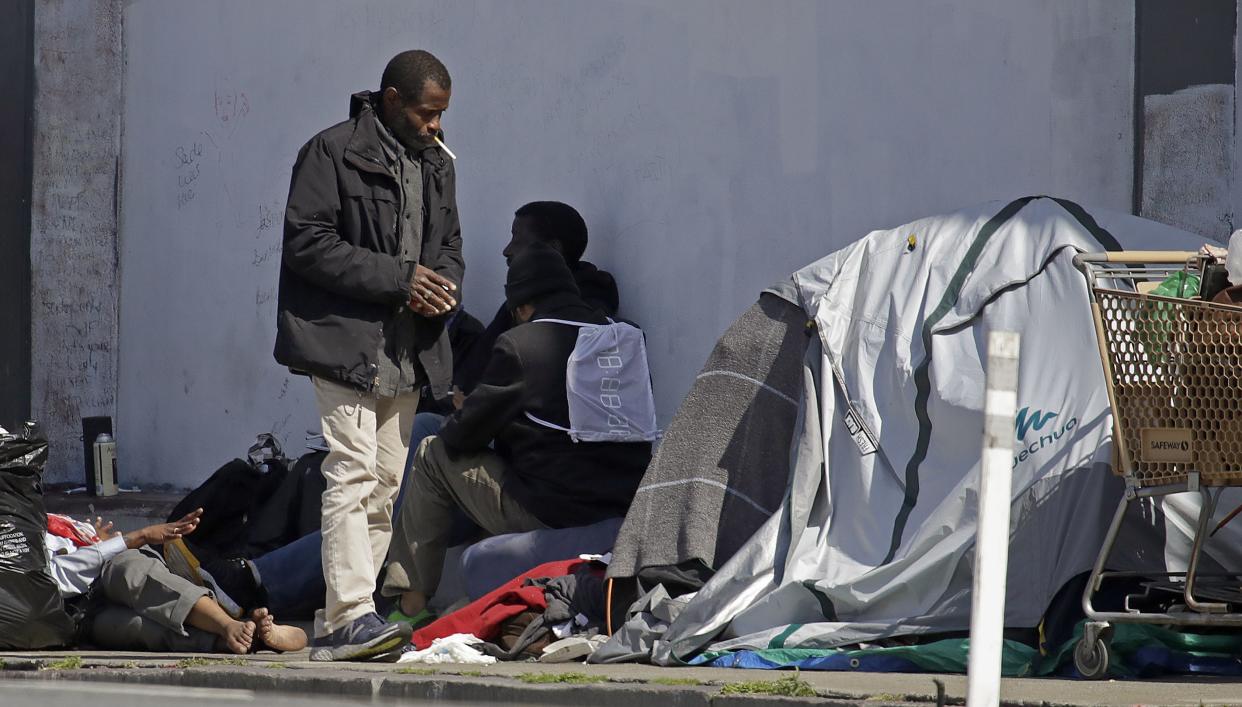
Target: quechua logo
1043 424
1035 421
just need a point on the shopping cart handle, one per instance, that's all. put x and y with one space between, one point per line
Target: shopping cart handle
1139 257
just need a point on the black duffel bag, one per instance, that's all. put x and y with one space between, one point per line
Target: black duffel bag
32 615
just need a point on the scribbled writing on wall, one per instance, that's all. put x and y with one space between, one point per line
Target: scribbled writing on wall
189 161
269 218
265 256
85 365
73 212
231 106
262 255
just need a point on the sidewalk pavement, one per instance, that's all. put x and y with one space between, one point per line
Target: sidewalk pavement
128 511
571 684
517 683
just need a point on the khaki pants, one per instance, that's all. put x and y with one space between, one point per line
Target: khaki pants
368 440
435 486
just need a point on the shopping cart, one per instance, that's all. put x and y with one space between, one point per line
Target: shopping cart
1173 369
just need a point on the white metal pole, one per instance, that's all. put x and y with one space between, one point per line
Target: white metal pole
987 603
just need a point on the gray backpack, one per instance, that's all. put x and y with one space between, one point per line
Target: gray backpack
608 385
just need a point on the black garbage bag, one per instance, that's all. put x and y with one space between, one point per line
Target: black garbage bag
32 615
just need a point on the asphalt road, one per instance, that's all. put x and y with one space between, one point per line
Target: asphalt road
89 694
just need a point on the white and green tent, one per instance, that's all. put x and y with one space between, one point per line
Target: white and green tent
875 535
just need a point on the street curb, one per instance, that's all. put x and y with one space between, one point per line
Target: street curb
438 688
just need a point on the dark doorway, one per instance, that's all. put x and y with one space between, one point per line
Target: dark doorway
16 124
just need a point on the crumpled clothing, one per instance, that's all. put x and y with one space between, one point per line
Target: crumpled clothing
574 601
265 448
457 648
78 532
648 621
485 616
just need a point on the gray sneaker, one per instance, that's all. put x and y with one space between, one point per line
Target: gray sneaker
367 638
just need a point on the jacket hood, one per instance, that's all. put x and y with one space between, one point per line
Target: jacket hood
362 100
537 271
598 287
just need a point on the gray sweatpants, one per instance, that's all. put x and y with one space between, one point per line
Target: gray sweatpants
147 606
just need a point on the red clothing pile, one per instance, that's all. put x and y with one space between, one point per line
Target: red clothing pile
484 616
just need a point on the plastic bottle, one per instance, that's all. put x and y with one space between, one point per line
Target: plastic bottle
105 465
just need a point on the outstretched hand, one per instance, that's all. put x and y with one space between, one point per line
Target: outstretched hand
430 293
161 533
104 529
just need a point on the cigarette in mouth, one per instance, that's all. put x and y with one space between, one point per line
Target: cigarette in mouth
444 147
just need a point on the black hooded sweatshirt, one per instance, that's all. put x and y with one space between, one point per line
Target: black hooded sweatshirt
598 289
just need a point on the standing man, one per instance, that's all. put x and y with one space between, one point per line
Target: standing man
371 267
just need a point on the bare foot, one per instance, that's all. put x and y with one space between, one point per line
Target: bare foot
282 639
238 636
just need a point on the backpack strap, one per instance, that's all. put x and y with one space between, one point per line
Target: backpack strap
573 434
566 322
540 421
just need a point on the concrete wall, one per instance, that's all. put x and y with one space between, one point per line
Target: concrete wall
713 147
1188 159
73 248
1186 80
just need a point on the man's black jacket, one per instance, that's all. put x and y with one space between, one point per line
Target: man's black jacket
564 483
341 280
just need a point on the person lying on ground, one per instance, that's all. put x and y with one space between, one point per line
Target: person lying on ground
144 606
535 477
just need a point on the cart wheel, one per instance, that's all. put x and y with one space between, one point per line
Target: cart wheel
1091 658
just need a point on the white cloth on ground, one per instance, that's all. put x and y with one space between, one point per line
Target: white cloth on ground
457 648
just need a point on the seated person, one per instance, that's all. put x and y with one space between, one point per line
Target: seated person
147 607
561 227
536 477
552 223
